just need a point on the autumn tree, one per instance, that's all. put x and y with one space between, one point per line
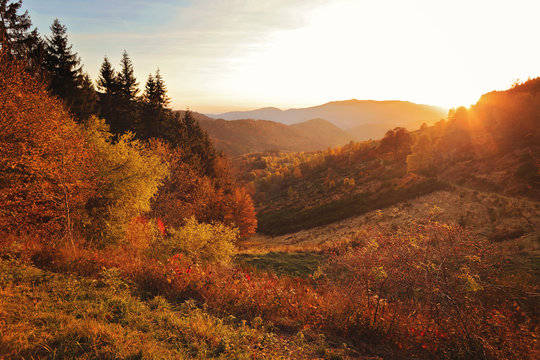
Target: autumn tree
397 141
187 193
128 177
455 139
184 193
421 157
184 131
46 166
239 212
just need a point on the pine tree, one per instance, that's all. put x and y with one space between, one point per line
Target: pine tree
61 63
15 36
155 93
107 84
161 98
66 79
85 103
128 85
14 28
107 81
150 90
199 150
156 116
125 115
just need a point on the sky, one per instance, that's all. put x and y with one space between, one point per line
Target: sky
222 55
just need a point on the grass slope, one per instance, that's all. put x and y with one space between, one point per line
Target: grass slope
55 316
288 220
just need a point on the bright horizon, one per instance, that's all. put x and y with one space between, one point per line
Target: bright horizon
218 55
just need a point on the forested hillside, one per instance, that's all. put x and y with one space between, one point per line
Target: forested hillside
237 137
493 146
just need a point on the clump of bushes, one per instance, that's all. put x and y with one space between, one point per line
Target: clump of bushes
201 242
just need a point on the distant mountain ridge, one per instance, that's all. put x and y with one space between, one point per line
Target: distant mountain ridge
236 137
348 114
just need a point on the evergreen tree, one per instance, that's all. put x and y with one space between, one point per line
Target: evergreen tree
198 148
61 63
85 103
107 84
155 93
150 90
66 79
107 81
160 94
14 28
155 115
15 36
128 85
126 114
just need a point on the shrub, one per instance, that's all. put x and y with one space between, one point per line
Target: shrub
433 289
203 242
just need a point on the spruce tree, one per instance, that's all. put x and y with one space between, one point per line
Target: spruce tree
107 81
85 101
150 91
161 98
156 116
66 79
107 84
128 85
198 148
126 113
14 28
16 38
62 64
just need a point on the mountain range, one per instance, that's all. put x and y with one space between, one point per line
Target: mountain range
313 128
347 114
237 137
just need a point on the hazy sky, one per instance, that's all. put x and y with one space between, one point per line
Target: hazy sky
218 55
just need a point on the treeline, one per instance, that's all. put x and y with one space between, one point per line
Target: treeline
99 165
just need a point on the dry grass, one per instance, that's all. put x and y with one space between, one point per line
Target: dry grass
482 213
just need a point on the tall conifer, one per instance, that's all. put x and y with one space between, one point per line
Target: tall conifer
66 79
128 85
15 36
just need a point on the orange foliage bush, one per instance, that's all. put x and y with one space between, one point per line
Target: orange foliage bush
187 193
45 164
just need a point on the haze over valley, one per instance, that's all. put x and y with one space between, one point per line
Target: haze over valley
315 128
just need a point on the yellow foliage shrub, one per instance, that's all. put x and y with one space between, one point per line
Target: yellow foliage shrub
204 242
